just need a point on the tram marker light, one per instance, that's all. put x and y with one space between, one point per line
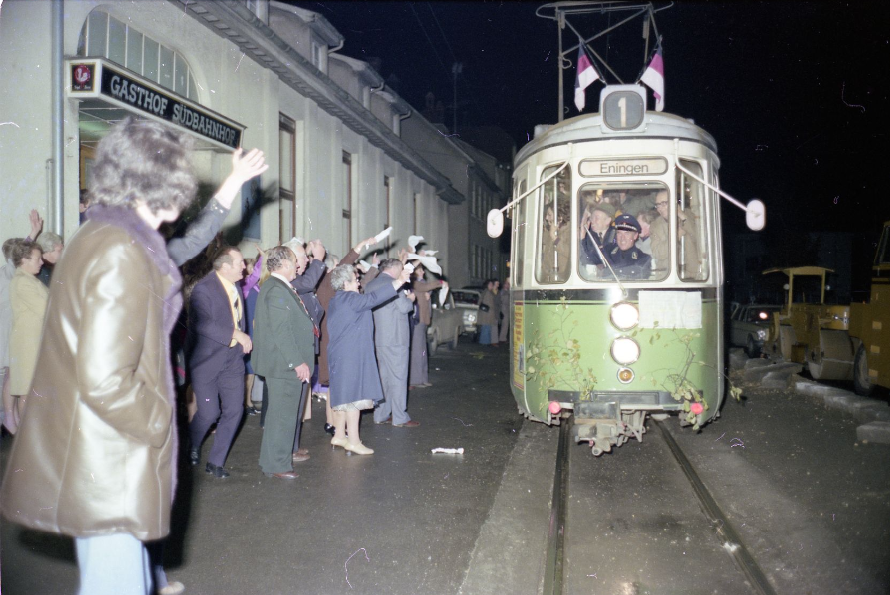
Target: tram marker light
554 407
495 221
625 351
625 375
624 316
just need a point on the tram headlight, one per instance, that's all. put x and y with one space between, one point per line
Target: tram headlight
624 316
625 350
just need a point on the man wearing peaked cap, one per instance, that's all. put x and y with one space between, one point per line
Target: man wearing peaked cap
628 261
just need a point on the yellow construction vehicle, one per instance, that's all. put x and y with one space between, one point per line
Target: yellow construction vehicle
867 322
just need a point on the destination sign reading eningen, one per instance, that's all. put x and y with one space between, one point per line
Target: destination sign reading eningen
591 168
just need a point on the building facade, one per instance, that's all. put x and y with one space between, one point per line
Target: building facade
253 73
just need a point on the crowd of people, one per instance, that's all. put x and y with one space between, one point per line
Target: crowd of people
122 334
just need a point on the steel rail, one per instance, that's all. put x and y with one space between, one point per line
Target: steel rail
743 558
553 570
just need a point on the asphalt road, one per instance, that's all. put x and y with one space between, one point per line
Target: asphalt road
812 505
406 520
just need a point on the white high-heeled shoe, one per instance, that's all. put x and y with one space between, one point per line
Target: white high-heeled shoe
341 442
359 449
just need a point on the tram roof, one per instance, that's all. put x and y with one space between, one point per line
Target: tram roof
586 127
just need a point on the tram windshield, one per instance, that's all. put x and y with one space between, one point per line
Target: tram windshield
628 227
616 227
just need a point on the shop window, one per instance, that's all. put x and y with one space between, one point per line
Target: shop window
181 76
117 41
134 50
165 68
150 59
97 24
106 37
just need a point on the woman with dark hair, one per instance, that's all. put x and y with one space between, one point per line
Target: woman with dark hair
27 297
354 378
96 454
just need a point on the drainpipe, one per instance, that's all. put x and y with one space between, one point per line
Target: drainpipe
57 205
328 53
397 122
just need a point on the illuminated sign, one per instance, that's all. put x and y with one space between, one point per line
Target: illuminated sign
126 89
652 166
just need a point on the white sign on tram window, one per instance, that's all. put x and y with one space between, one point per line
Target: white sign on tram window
591 168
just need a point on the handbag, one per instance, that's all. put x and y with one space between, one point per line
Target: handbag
484 307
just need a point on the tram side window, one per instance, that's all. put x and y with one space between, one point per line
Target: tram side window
692 238
519 227
554 228
628 248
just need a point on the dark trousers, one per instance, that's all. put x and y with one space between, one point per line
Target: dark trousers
220 399
282 421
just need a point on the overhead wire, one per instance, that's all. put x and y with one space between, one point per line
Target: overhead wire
467 87
422 28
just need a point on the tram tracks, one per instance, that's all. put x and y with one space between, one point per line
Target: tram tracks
554 573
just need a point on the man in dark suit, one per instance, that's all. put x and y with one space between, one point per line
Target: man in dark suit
392 341
284 355
217 344
310 269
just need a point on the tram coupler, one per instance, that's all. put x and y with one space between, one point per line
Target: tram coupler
601 433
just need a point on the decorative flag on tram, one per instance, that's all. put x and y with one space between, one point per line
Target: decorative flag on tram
585 76
653 77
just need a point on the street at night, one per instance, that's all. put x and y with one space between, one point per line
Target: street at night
450 298
807 499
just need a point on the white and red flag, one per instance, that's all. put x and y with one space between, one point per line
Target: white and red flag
653 77
585 76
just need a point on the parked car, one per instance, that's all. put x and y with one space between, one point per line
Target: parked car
749 326
467 302
446 325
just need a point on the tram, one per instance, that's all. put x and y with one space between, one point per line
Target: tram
593 341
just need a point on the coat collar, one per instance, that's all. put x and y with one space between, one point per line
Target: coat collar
148 238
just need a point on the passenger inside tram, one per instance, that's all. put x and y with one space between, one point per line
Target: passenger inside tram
689 255
556 247
620 204
628 261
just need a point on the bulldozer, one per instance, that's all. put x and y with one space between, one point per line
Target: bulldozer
836 342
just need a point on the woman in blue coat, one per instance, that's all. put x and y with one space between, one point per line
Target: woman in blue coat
354 378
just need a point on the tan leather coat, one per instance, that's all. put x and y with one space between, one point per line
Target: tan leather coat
27 296
96 451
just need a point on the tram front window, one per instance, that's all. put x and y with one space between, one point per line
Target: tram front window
615 232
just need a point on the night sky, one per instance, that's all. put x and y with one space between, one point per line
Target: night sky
796 94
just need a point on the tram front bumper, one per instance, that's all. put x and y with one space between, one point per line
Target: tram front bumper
599 414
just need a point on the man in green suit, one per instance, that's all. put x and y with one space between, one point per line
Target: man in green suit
284 353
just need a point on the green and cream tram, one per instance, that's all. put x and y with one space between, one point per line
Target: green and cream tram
588 340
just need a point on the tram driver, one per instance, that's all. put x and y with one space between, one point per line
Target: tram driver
628 261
